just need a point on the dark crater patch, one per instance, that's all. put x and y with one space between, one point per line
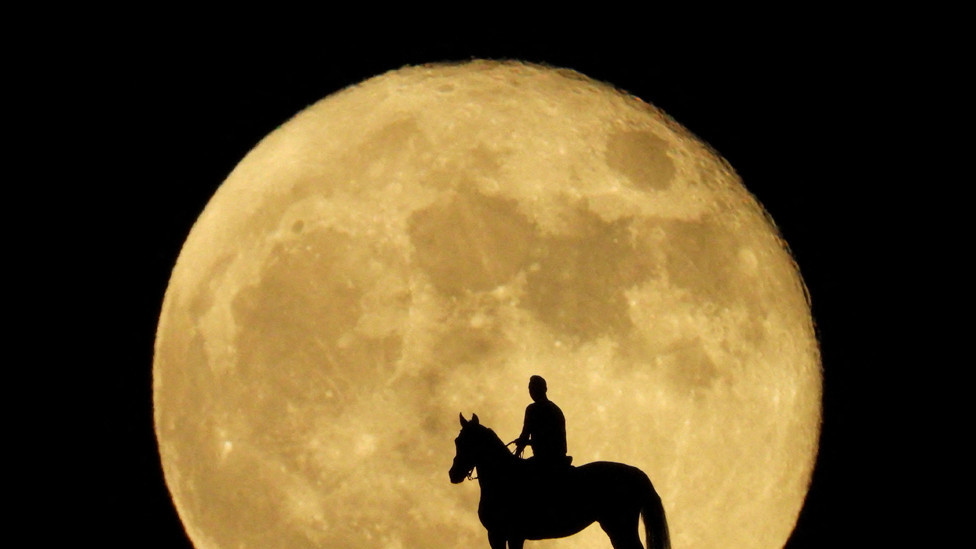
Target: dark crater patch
642 157
395 144
294 342
375 160
202 298
702 257
461 166
470 242
466 343
692 369
578 287
463 344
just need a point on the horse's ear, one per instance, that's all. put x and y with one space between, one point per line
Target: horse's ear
474 419
464 422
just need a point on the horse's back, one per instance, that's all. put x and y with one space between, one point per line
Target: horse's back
604 480
609 469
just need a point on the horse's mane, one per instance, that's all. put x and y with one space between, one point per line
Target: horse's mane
493 436
494 441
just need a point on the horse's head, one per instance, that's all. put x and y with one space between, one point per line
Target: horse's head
469 447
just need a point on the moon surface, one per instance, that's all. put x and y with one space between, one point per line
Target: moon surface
418 245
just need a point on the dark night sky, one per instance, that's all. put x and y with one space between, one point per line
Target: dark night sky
795 116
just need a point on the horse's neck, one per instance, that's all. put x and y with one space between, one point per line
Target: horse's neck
497 463
497 473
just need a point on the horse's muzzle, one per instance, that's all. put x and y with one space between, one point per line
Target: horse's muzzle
456 474
457 477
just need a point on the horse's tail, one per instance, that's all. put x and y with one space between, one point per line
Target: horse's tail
655 522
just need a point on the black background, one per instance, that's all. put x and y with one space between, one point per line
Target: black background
800 115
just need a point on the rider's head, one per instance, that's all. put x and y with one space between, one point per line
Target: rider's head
537 388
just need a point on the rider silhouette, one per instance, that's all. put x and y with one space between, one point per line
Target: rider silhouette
544 428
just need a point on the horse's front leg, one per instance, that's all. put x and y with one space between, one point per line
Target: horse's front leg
515 543
496 540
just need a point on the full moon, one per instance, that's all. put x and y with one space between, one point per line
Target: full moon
418 245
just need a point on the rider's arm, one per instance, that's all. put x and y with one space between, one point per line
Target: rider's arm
523 440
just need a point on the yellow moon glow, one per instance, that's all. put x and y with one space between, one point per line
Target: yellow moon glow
417 246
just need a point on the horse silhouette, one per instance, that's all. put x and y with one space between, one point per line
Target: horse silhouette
521 500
